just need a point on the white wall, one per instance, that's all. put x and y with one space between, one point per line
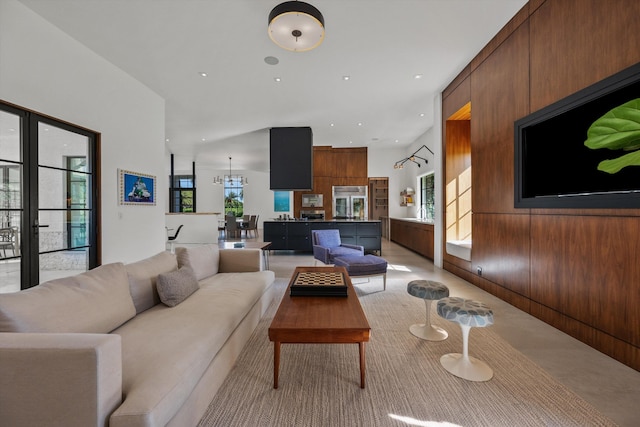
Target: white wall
381 163
436 146
432 138
258 198
43 69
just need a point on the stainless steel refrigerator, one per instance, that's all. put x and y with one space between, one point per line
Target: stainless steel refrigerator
350 202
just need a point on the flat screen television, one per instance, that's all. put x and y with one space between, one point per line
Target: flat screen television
291 158
553 166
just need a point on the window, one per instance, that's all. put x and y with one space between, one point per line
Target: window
427 199
77 181
9 195
182 193
233 195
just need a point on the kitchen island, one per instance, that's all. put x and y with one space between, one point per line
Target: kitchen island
296 235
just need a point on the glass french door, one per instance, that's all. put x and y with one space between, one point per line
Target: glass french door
11 191
48 203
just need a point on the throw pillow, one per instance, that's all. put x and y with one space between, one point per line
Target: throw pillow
143 276
202 259
176 286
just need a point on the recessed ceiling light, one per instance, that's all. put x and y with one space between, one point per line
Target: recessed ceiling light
203 140
202 74
350 142
417 76
397 140
277 79
271 60
332 125
166 140
421 114
359 123
345 78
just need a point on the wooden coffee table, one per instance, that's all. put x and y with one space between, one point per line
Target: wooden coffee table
319 320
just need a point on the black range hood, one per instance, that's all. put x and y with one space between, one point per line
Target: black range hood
291 158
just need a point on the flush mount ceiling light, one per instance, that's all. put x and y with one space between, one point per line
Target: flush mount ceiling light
296 26
412 158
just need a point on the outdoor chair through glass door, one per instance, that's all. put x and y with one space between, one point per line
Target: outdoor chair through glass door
48 184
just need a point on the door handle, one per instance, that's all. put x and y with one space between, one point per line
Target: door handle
36 226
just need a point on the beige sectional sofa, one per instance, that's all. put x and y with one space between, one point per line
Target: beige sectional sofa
101 348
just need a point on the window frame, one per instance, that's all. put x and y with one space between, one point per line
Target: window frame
427 195
180 194
233 205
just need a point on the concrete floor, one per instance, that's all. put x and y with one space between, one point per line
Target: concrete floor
610 386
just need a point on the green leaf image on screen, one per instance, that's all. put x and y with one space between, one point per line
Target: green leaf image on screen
618 129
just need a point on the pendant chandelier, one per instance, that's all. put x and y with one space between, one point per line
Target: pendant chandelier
230 180
296 26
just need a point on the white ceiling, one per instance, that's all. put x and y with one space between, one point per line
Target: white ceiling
380 44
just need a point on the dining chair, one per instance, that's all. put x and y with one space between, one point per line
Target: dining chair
232 226
252 225
244 226
172 239
221 228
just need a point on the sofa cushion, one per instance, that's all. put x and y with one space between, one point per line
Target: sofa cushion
165 351
176 286
142 278
97 301
203 259
240 260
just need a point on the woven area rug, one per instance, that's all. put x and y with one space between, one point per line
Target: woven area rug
319 385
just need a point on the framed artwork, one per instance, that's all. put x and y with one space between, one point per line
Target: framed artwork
136 188
281 201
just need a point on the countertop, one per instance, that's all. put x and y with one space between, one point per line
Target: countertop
193 213
321 220
416 220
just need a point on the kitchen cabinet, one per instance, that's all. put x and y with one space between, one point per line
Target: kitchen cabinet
276 233
413 234
296 235
299 236
378 198
334 167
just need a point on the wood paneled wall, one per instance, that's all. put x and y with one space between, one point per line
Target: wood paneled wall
575 269
334 166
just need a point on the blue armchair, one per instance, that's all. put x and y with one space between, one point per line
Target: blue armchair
327 246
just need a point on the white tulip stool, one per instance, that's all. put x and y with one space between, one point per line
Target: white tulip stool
468 314
428 290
